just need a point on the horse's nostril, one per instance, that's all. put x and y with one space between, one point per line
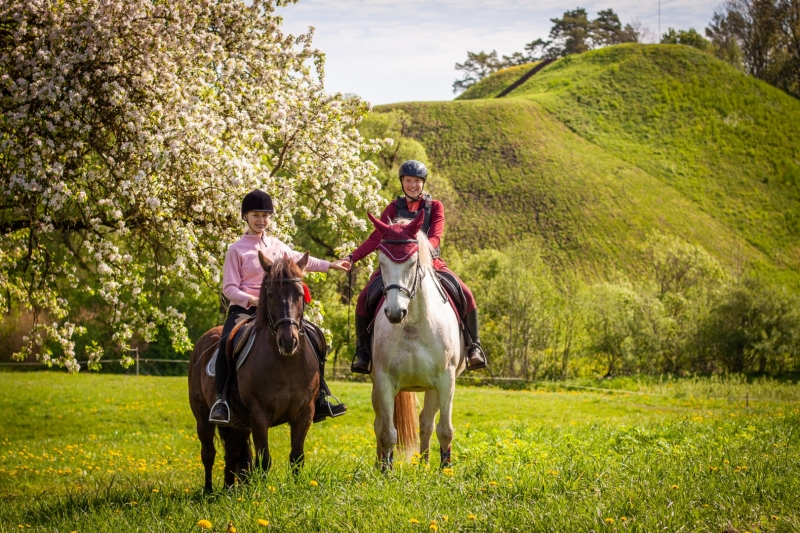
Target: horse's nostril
403 314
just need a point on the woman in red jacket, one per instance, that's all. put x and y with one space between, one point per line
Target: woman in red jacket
412 178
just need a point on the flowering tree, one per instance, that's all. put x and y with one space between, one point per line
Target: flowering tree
131 129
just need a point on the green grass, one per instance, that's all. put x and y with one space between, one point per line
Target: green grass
596 150
493 85
118 453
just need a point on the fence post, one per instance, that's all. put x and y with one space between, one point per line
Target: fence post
137 360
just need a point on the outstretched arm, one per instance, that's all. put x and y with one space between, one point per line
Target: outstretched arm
372 242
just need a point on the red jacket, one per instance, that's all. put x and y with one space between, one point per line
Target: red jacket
434 232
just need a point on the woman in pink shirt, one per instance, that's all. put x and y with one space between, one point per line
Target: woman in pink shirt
241 283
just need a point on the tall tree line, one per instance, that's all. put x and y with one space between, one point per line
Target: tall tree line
573 33
762 37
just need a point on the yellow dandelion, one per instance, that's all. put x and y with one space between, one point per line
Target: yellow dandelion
471 517
155 490
674 487
262 522
493 483
609 520
623 518
444 517
434 527
204 524
313 483
509 478
773 517
272 489
231 528
186 491
447 471
413 521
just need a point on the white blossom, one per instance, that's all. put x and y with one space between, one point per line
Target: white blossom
130 131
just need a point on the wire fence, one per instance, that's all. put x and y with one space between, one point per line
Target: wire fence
478 380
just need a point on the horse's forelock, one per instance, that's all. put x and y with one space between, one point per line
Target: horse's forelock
281 269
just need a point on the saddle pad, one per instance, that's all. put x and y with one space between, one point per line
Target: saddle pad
245 351
211 367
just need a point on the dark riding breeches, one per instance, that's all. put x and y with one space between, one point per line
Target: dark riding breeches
236 314
372 293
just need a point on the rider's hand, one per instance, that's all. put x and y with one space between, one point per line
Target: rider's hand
253 301
341 264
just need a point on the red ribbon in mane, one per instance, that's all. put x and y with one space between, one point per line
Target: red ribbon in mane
306 294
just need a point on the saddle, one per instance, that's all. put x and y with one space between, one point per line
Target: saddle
237 347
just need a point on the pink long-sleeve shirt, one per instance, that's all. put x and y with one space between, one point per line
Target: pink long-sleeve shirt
242 272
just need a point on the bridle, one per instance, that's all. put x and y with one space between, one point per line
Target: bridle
418 274
273 324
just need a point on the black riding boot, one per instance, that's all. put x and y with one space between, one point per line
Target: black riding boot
323 409
362 362
220 411
476 359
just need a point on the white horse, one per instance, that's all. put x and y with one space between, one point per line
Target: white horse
416 346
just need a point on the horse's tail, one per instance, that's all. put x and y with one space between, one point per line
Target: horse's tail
405 421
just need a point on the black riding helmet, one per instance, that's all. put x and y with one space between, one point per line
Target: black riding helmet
257 201
413 168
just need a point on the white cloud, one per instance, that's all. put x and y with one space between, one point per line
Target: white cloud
391 51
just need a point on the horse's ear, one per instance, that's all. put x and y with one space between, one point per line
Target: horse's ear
380 226
303 263
415 225
266 264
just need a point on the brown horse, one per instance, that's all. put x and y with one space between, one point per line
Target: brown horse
277 383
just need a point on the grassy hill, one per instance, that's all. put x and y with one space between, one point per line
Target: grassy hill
596 150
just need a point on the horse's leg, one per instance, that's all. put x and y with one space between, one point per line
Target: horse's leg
376 406
260 426
235 443
243 463
299 430
444 429
427 419
385 432
205 432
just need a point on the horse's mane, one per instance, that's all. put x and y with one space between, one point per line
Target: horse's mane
425 249
281 268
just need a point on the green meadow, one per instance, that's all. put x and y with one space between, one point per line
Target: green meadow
95 452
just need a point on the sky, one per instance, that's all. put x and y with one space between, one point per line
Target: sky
388 51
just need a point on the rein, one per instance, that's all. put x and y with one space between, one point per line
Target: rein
418 274
273 324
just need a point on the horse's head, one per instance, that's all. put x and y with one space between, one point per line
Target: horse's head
280 305
401 259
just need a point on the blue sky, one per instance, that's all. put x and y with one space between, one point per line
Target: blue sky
404 50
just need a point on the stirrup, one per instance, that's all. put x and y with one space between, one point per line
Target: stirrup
320 417
219 420
353 370
480 365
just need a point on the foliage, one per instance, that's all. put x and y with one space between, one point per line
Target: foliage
108 107
573 33
754 327
688 37
477 66
763 37
98 453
